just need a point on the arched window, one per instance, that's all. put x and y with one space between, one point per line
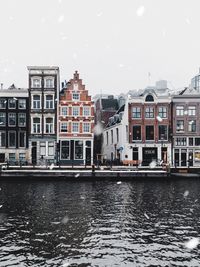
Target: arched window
149 98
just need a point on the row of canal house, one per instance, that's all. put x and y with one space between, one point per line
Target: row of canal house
43 124
156 125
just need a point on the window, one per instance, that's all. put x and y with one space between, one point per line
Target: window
22 103
11 119
78 149
150 132
111 136
117 134
22 139
11 103
191 141
2 139
149 98
22 157
50 148
49 83
2 119
197 141
136 132
162 112
86 127
64 149
75 96
42 148
64 111
22 119
136 112
49 101
191 110
106 138
162 132
36 82
36 125
75 111
36 102
86 111
49 125
63 127
180 141
192 126
179 110
180 126
2 103
11 139
12 157
75 127
149 112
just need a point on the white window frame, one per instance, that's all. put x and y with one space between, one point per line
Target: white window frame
49 101
20 125
77 123
49 125
63 123
20 100
4 116
33 79
89 124
51 83
9 115
180 110
86 108
32 102
32 125
192 111
52 146
64 108
2 132
74 98
75 108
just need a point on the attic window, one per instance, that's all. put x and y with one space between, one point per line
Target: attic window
149 98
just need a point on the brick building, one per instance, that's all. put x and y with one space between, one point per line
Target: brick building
76 123
150 126
186 128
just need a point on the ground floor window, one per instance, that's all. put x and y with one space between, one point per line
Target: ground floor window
12 157
78 149
22 156
65 150
42 148
50 148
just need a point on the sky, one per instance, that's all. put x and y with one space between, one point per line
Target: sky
116 45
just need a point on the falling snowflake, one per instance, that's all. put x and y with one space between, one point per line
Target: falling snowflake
140 11
152 165
146 216
99 14
65 219
121 65
192 243
119 182
77 175
186 193
1 206
61 18
98 129
188 21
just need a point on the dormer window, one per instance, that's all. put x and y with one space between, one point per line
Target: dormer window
49 82
36 82
149 98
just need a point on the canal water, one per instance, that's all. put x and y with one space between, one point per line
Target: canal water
100 223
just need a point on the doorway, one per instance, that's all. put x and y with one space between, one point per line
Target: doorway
149 154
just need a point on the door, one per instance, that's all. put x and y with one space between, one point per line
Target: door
149 155
34 153
88 155
2 157
183 157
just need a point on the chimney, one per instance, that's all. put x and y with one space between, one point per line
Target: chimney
1 86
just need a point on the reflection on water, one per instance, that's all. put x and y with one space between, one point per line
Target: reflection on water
101 223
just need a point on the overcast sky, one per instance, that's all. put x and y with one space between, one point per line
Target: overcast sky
114 44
